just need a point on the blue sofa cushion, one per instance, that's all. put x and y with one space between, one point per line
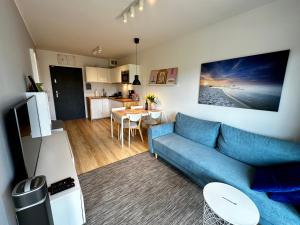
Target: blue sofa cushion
280 178
209 165
256 150
286 197
201 131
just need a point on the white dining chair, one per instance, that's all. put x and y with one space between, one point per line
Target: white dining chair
137 107
154 118
134 123
115 120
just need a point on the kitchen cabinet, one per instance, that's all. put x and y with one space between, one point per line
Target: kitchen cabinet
115 104
105 75
91 74
97 74
98 108
105 108
122 103
95 109
115 75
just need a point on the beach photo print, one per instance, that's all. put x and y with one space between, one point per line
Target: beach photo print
252 82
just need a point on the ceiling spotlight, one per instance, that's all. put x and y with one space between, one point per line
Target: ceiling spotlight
125 17
132 13
141 5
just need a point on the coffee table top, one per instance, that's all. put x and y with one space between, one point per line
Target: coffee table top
231 204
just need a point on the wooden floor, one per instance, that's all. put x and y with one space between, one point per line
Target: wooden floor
93 146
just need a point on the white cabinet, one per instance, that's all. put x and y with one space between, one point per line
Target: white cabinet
105 108
91 74
96 74
43 111
115 104
56 162
115 75
98 108
105 75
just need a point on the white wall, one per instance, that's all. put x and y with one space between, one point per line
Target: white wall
14 65
269 28
46 58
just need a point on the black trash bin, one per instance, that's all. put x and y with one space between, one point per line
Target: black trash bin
32 202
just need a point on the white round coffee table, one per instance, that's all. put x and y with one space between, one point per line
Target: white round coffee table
224 204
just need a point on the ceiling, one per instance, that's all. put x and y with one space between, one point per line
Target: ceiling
78 26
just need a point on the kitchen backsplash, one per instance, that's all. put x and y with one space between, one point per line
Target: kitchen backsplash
109 88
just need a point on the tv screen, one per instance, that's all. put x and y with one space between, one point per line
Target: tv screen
26 139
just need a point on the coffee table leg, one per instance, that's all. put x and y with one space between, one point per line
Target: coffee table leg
210 218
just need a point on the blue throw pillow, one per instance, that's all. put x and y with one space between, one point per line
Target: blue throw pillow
286 197
279 178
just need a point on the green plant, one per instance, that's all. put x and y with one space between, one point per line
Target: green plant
151 98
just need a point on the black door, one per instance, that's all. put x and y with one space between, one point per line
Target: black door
67 86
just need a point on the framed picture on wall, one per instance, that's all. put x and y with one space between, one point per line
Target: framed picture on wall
251 82
163 76
153 77
172 75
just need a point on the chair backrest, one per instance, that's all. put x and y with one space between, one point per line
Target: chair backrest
118 109
155 115
134 117
137 107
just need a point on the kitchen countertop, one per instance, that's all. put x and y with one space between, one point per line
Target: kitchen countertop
113 98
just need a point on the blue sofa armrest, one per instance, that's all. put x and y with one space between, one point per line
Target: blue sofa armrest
158 131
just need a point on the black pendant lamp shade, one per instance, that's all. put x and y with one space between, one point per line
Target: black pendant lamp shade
136 80
136 76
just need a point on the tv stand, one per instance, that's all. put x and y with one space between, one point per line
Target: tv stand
56 162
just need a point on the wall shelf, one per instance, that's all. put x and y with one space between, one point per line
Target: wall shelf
162 85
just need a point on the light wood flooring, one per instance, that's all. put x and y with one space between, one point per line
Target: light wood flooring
93 146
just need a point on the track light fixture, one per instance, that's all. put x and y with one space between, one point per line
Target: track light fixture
125 17
141 5
130 10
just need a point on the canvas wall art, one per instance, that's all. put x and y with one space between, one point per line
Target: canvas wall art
164 76
252 82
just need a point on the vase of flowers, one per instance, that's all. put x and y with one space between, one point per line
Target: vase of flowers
152 100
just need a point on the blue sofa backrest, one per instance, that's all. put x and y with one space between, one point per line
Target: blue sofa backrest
201 131
256 150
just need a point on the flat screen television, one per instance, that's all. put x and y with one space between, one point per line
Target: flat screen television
25 137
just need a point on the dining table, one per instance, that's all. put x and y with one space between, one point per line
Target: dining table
121 115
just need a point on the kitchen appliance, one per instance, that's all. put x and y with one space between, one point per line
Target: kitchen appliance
125 77
31 200
130 93
117 95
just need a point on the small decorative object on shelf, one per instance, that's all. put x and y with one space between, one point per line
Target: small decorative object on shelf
146 105
32 85
152 99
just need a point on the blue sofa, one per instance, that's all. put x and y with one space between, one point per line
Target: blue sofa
210 151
